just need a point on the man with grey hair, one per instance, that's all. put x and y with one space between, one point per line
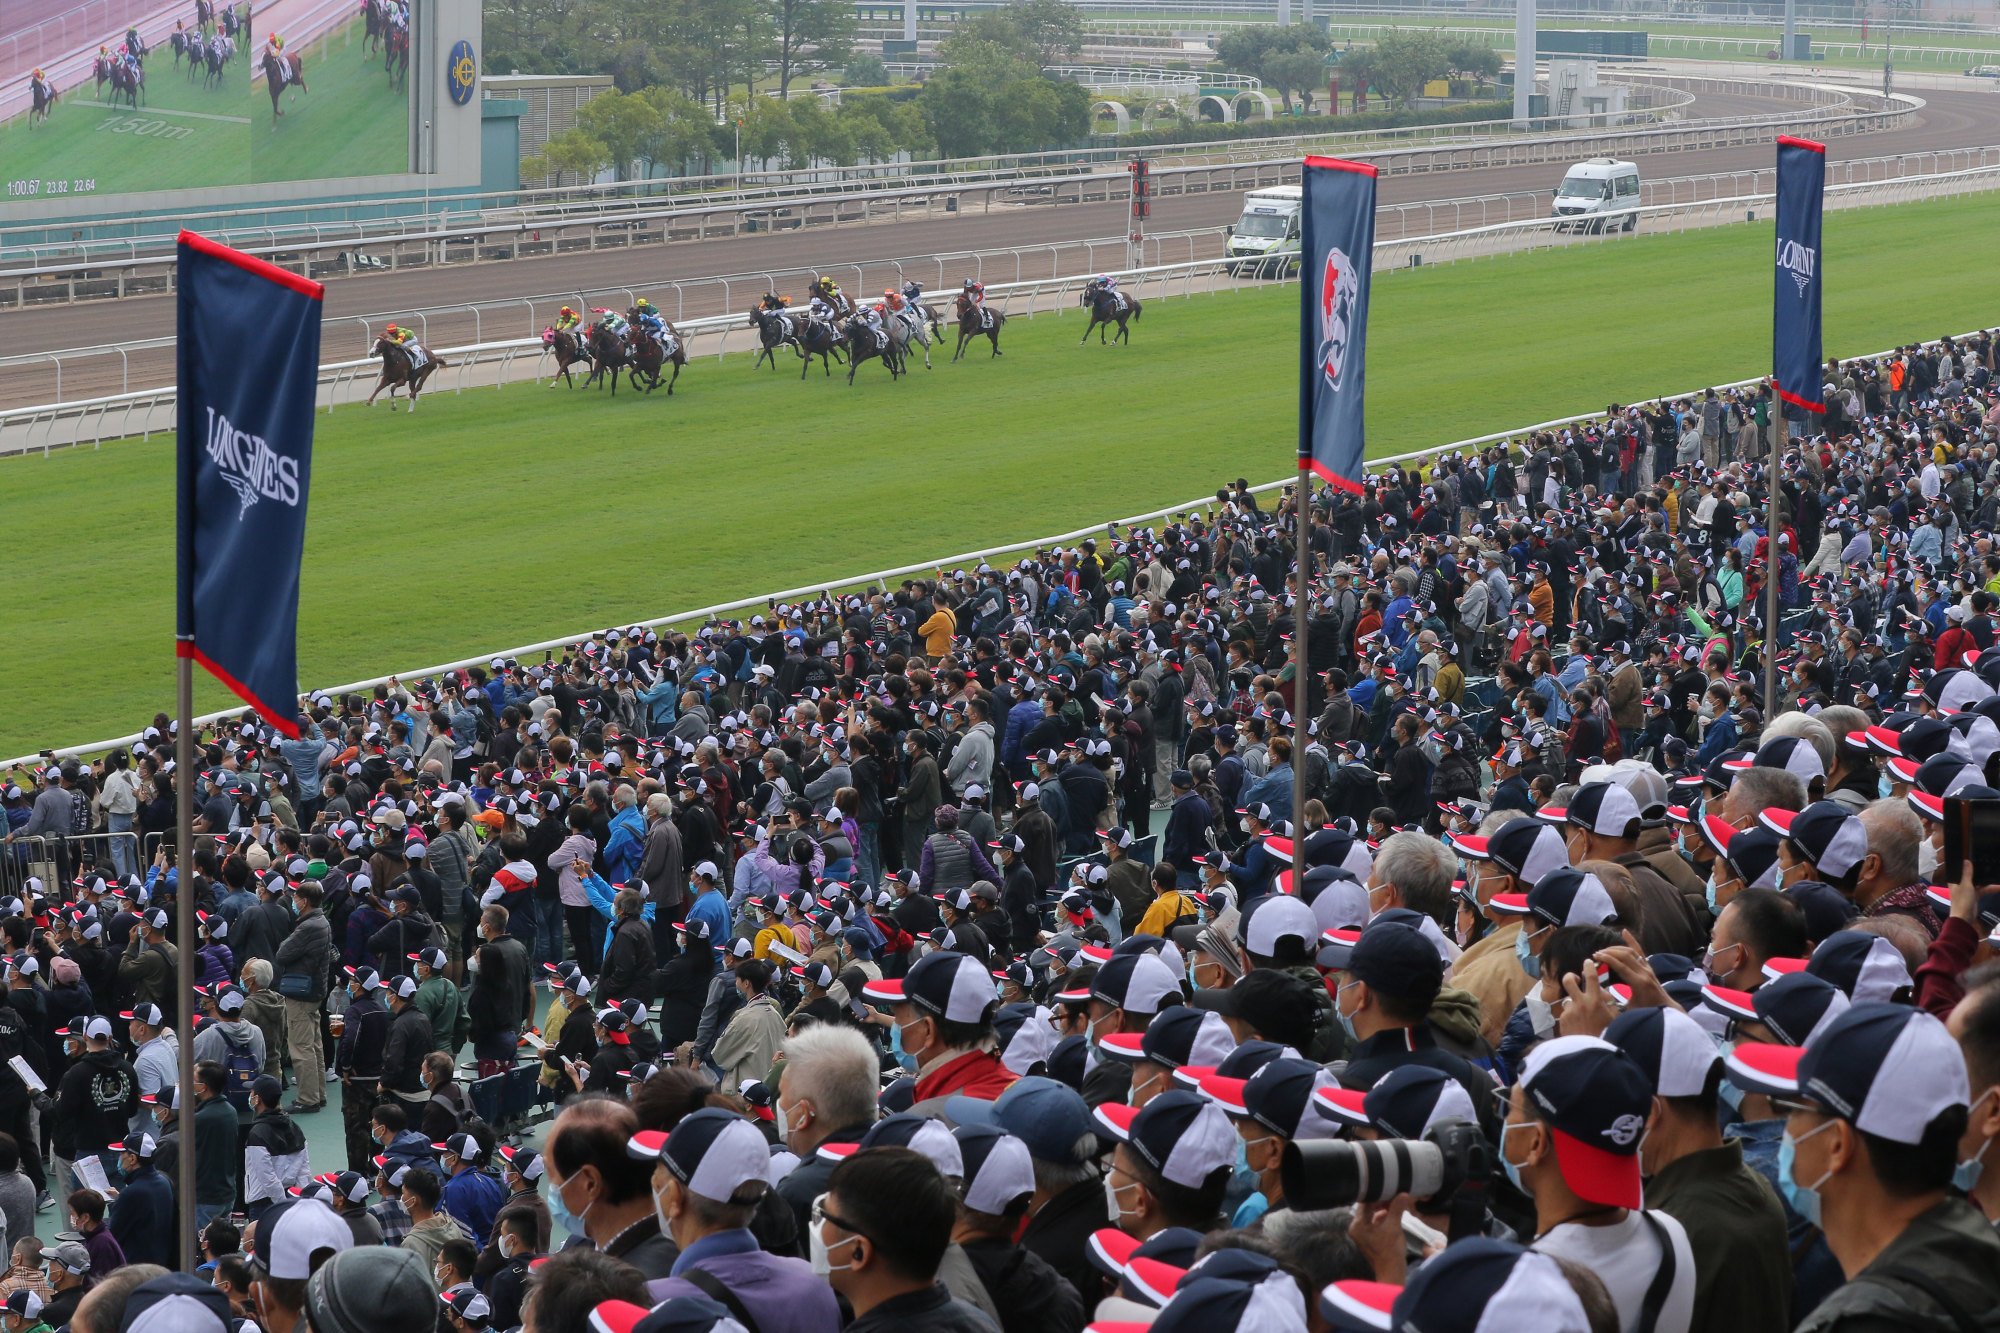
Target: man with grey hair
1887 880
662 870
1415 871
826 1094
1758 789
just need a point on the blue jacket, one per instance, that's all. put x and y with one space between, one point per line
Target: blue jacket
1720 739
781 1294
1021 719
625 845
473 1198
605 898
709 907
142 1218
662 703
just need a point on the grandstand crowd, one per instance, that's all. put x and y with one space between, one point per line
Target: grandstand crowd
944 956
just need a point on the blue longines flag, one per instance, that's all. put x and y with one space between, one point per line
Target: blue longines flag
1795 297
248 369
1337 246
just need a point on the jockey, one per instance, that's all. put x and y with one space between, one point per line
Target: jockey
132 41
407 340
567 320
975 292
819 309
871 316
399 16
650 318
830 289
893 300
613 321
913 292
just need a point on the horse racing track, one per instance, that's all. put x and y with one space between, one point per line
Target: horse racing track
544 510
351 120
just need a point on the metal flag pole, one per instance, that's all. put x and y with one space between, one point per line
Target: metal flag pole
1771 569
184 942
1301 692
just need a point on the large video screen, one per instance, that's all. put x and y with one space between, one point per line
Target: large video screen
130 97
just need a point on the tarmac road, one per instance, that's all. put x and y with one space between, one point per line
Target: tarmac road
1949 120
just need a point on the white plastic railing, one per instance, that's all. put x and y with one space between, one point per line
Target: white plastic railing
928 566
1836 111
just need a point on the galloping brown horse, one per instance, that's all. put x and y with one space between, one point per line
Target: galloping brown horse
396 60
396 372
974 320
610 354
570 350
280 71
649 355
376 13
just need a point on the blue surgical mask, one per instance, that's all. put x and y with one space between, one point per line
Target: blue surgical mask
1804 1199
1524 953
1732 1097
1346 1020
1714 907
1883 787
561 1216
1965 1176
1513 1169
903 1057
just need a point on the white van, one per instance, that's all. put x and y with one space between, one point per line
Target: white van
1603 192
1267 231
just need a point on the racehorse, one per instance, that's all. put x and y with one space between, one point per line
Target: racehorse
776 327
179 41
102 69
913 299
570 349
128 81
610 353
823 288
974 320
648 355
396 371
220 51
204 14
281 71
196 49
377 14
818 338
906 325
396 59
1106 308
864 342
45 101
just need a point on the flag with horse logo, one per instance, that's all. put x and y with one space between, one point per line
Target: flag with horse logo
1795 359
1337 245
248 350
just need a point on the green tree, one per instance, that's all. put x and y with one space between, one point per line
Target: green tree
626 125
1300 72
1287 59
1405 61
1035 32
573 152
685 132
811 35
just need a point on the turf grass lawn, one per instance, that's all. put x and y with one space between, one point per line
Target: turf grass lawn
349 120
506 516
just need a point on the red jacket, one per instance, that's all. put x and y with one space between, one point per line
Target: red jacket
977 1074
1953 645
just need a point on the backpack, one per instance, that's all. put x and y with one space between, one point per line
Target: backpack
240 1070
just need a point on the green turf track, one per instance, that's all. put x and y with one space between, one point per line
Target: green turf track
503 516
349 122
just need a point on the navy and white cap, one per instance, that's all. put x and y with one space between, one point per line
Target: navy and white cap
1279 1097
950 986
1203 1304
403 987
349 1185
466 1301
1565 896
1825 833
1476 1285
525 1162
1182 1035
712 1152
1138 983
1182 1135
1279 917
1796 1007
1245 1060
921 1134
462 1146
170 1303
1887 1069
1601 807
1673 1050
1027 1036
434 959
294 1232
1406 1103
1868 967
24 1303
1793 754
997 1168
680 1314
1340 848
142 1146
1595 1099
149 1014
1752 852
1525 848
1338 902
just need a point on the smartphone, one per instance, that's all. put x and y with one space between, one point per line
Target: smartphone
1971 833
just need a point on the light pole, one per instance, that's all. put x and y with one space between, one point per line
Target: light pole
739 155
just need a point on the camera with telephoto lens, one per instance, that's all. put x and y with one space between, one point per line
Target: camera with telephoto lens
1446 1171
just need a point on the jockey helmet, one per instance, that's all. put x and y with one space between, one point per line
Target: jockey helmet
391 332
